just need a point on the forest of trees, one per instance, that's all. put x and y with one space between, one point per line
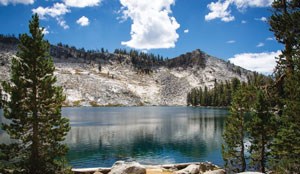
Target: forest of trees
267 115
143 62
9 39
221 94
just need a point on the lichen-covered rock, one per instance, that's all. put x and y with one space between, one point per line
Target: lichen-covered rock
121 167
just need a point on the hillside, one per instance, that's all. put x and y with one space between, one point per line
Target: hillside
99 78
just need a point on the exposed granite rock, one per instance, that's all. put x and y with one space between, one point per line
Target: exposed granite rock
218 171
121 167
191 169
120 84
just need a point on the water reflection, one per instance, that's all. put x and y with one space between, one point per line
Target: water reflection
150 135
100 136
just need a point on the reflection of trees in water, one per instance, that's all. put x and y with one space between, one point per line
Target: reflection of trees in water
191 136
148 132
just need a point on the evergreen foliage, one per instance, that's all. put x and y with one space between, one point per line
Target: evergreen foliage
34 110
273 125
286 146
250 120
219 96
285 149
233 149
261 131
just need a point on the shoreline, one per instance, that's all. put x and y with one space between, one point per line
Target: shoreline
169 168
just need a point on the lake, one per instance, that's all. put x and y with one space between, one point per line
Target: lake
150 135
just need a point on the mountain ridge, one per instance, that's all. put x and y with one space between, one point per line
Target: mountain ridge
129 78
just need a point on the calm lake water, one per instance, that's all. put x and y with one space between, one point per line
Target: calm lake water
149 135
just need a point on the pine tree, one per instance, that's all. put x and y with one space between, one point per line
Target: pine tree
34 109
233 150
285 23
260 130
286 146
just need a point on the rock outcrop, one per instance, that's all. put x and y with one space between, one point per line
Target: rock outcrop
121 167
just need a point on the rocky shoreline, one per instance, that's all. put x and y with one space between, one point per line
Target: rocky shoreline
121 167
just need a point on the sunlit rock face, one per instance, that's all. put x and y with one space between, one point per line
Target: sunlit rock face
120 83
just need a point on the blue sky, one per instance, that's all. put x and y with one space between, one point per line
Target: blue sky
234 30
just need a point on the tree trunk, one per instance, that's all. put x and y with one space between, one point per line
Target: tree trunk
243 161
262 155
35 127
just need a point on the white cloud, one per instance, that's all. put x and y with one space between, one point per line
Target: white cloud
45 31
83 21
82 3
58 9
260 44
243 22
263 19
264 62
230 41
25 2
221 8
62 23
186 31
270 38
243 4
152 26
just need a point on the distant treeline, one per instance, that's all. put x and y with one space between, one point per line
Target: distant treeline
9 39
221 94
143 62
148 60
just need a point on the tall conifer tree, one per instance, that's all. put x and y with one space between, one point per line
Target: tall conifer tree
285 23
34 109
233 149
261 132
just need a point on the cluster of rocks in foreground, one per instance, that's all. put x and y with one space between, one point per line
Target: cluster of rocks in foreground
121 167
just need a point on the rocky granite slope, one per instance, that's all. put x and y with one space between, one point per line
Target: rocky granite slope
113 80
